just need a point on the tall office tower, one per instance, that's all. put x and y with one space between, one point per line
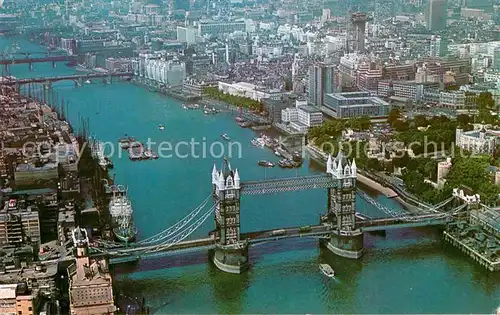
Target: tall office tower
227 54
496 58
436 14
359 20
435 46
321 81
326 15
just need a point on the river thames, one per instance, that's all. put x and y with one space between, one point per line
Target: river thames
405 271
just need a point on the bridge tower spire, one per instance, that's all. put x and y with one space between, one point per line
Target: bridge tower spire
346 239
231 253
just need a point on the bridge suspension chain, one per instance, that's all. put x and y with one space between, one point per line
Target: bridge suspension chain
167 243
435 207
184 234
394 213
163 234
177 226
414 218
379 206
437 215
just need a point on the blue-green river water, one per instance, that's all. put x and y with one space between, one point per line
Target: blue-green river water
405 271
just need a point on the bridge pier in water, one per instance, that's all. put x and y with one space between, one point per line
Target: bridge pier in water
230 253
346 240
347 245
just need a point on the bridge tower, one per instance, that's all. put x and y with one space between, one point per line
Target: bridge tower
346 239
231 253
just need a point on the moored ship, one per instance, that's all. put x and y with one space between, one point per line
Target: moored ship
120 209
126 142
97 149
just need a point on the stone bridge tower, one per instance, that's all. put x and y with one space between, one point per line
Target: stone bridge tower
231 253
346 240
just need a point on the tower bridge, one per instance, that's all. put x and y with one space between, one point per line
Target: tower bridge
340 229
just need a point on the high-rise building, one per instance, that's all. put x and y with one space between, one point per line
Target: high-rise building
496 58
321 81
435 46
186 35
359 20
436 15
325 15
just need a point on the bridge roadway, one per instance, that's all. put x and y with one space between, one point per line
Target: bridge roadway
277 185
383 224
315 231
185 247
37 60
68 77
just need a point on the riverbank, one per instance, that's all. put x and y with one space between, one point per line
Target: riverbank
365 178
389 193
172 92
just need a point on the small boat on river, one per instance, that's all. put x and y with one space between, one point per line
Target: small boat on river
327 270
210 110
265 163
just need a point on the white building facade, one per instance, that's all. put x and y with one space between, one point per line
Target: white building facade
301 117
476 141
159 70
245 89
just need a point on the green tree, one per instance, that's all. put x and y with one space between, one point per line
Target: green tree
400 125
394 115
430 169
473 173
485 101
421 121
402 160
485 104
464 120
